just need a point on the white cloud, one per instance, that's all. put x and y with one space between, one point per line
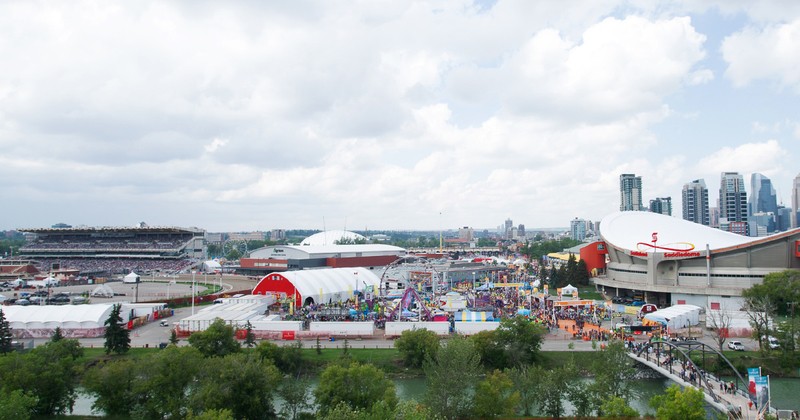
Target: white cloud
275 115
770 53
764 157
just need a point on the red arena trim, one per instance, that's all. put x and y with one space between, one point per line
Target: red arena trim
643 246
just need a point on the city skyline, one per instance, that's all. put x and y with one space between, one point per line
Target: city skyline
416 115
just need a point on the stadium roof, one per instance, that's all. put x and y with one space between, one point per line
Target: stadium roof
330 237
635 230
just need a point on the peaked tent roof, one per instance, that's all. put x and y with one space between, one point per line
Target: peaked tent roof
332 283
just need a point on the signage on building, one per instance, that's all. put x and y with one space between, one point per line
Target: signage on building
669 251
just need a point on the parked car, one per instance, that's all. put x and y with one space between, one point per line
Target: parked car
771 341
735 345
22 302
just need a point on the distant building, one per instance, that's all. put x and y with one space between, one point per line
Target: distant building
732 200
783 220
277 235
521 231
695 202
795 201
507 229
630 191
577 228
61 226
214 238
661 205
713 216
246 236
466 234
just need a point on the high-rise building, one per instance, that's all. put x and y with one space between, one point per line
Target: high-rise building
507 229
713 216
695 202
466 234
732 200
630 192
795 201
521 231
577 228
732 197
662 205
762 195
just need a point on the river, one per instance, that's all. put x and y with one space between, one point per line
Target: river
785 393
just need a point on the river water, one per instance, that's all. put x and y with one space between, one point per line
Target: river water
785 394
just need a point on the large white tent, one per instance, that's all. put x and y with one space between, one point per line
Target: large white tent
320 286
74 320
676 317
234 311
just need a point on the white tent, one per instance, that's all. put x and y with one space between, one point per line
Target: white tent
211 266
676 317
2 298
234 311
102 291
568 290
74 321
320 286
131 278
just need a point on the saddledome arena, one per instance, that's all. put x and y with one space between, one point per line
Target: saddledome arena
670 261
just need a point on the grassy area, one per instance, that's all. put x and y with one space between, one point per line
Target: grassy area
589 292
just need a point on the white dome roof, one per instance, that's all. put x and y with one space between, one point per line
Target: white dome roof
634 230
330 237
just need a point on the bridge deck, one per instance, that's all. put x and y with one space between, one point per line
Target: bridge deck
735 403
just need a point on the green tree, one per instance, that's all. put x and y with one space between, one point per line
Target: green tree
520 339
57 335
582 274
164 380
572 270
49 372
553 388
112 384
249 337
288 359
16 404
613 373
117 337
526 382
218 340
239 382
295 395
6 338
358 386
416 345
490 350
495 396
617 408
452 375
173 337
212 414
677 404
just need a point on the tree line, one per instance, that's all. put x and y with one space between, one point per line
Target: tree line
492 374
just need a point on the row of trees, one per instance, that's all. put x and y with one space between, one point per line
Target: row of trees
213 378
777 297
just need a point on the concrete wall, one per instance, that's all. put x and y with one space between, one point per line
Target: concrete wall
469 328
343 328
395 329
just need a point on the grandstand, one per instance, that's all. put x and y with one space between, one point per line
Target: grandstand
114 250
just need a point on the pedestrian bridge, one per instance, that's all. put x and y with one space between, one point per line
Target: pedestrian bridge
673 360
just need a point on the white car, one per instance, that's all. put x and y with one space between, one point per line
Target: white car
771 341
736 345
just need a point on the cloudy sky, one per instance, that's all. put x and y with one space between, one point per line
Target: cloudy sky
374 114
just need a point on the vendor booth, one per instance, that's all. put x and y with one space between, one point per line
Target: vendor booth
674 317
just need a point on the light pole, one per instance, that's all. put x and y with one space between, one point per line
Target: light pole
193 271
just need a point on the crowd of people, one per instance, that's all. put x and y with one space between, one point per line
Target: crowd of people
112 266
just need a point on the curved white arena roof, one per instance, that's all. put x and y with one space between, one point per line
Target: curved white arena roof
634 230
330 237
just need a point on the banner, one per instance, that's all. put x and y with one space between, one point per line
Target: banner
762 393
752 374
